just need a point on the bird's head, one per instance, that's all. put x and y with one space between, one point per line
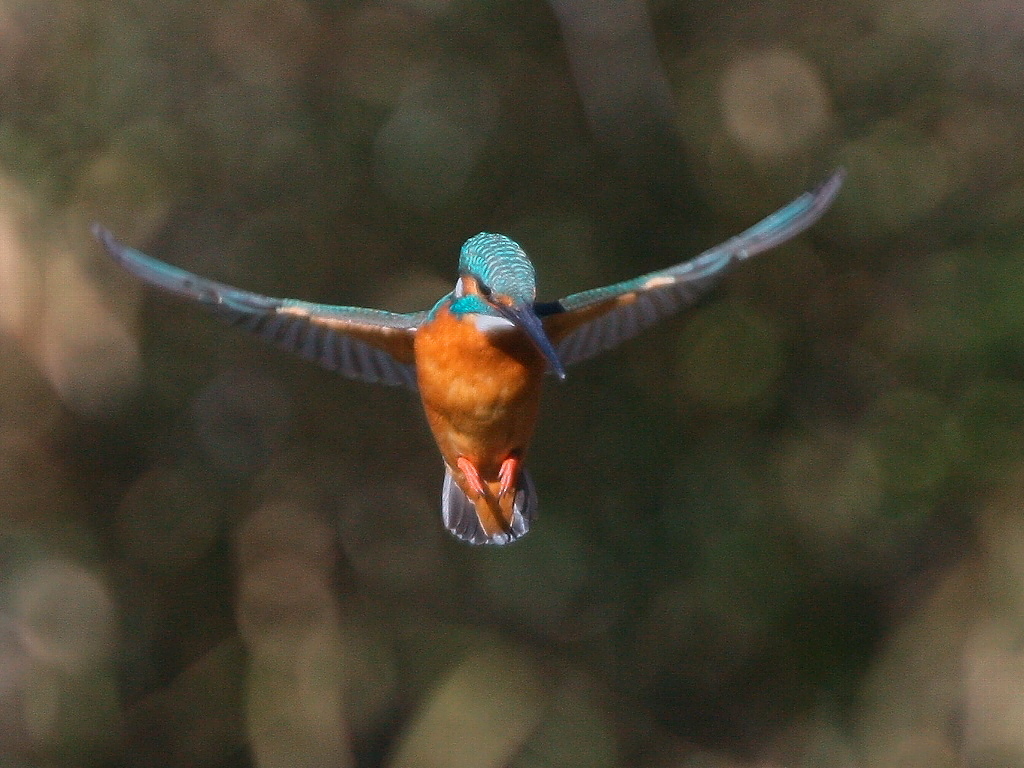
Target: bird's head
496 278
498 270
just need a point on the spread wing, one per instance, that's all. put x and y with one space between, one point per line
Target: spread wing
367 344
585 324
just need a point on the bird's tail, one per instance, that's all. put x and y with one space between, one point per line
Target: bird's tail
460 516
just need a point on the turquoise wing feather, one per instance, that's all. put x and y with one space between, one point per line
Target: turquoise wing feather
585 324
366 344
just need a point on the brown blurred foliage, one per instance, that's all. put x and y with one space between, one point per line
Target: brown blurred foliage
785 529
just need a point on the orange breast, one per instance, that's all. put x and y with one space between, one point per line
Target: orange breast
480 391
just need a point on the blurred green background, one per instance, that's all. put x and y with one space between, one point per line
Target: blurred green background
784 529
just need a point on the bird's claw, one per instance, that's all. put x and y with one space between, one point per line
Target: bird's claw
472 476
507 475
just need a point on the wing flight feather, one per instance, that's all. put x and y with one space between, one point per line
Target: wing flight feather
585 324
366 344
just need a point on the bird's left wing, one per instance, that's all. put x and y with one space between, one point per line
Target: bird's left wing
585 324
367 344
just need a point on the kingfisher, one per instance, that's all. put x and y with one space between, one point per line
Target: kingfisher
478 358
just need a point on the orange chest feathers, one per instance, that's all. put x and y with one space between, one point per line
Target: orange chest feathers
468 374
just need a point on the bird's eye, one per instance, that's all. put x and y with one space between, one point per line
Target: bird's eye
485 291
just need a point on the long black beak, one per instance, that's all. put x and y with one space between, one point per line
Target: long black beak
524 317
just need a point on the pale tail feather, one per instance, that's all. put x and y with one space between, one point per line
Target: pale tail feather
460 518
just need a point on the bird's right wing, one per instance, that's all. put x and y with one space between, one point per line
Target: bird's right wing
367 344
585 324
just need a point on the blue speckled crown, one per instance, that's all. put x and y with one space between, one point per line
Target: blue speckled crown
499 264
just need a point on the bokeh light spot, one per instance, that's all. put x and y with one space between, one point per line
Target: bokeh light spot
494 694
575 730
425 152
65 615
88 355
831 482
371 675
289 617
287 528
21 283
774 103
132 182
914 437
729 356
281 598
294 706
898 175
993 703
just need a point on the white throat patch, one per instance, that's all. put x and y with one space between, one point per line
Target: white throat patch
491 324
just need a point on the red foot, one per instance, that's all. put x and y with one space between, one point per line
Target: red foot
472 476
508 474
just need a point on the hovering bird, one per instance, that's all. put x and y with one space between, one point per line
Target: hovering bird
478 357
